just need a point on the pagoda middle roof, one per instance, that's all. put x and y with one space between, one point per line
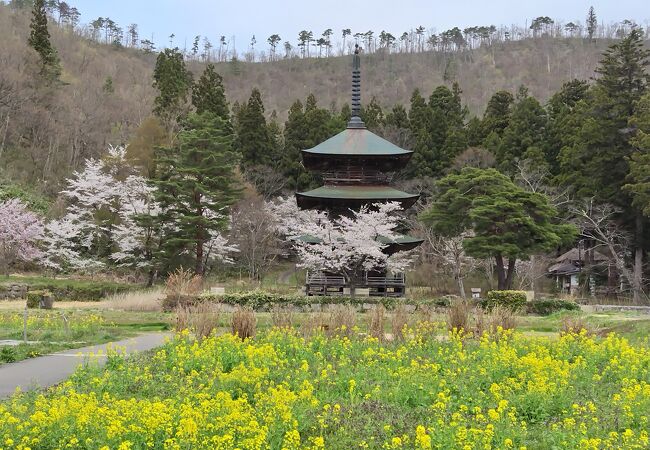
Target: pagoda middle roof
357 142
358 193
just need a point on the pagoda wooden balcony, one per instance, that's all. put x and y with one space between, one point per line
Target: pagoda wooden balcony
333 285
356 176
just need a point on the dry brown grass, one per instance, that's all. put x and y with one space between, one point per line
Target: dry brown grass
398 321
243 322
481 321
201 319
458 315
148 300
342 320
575 324
181 289
315 323
504 317
376 326
489 322
282 316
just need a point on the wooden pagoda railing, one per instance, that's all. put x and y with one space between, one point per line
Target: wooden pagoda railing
356 176
318 283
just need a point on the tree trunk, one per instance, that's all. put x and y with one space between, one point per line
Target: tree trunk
637 282
151 277
511 272
459 280
501 272
199 257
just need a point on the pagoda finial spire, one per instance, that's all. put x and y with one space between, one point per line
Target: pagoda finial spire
355 120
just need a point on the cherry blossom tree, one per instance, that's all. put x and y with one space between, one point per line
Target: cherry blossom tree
111 221
100 225
20 231
348 244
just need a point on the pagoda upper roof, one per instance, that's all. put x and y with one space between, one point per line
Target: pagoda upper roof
357 142
365 192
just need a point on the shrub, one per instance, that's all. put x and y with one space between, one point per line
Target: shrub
243 323
514 300
38 299
8 354
547 306
265 301
70 290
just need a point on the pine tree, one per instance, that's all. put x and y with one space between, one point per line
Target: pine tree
173 82
208 94
507 222
253 141
592 23
39 40
196 184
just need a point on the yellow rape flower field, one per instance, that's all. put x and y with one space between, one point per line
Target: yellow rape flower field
282 391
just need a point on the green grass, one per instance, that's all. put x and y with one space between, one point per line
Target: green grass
86 327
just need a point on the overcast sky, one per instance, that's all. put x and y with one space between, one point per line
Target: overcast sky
244 18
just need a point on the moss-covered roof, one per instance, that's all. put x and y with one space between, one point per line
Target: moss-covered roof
357 141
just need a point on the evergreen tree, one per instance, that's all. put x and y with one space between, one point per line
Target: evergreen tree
497 113
372 115
638 180
398 117
597 165
196 184
523 138
208 94
562 123
507 223
474 132
295 132
346 113
420 118
173 82
253 141
39 40
419 113
592 23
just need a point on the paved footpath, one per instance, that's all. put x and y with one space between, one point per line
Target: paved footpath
46 371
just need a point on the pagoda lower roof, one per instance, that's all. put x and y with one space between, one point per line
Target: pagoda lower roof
359 142
353 196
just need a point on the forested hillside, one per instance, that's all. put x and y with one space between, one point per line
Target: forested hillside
106 90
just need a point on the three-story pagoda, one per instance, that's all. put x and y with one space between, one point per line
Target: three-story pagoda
357 167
